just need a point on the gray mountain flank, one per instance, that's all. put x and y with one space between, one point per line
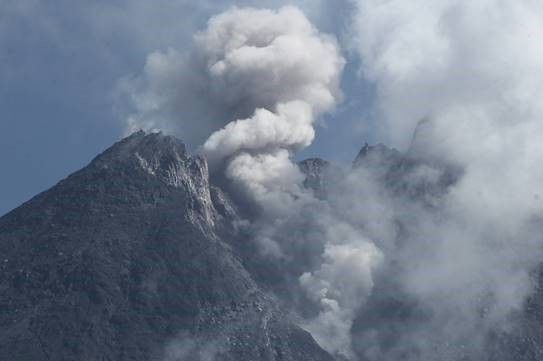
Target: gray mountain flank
124 260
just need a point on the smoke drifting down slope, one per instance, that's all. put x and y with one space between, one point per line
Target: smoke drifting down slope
447 234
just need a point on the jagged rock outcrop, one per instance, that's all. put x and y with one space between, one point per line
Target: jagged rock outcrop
318 174
123 260
416 178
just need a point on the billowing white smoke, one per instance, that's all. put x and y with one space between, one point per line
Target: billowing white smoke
474 71
268 59
289 127
291 73
340 286
247 59
265 57
250 91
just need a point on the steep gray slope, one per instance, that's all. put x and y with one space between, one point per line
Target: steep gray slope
123 260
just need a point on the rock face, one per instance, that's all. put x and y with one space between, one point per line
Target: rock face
318 174
414 178
125 260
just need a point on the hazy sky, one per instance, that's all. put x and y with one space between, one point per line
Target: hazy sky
61 63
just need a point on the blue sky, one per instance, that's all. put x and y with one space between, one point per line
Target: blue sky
61 61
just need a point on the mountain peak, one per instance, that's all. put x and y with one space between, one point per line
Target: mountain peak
378 153
150 159
164 158
144 144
